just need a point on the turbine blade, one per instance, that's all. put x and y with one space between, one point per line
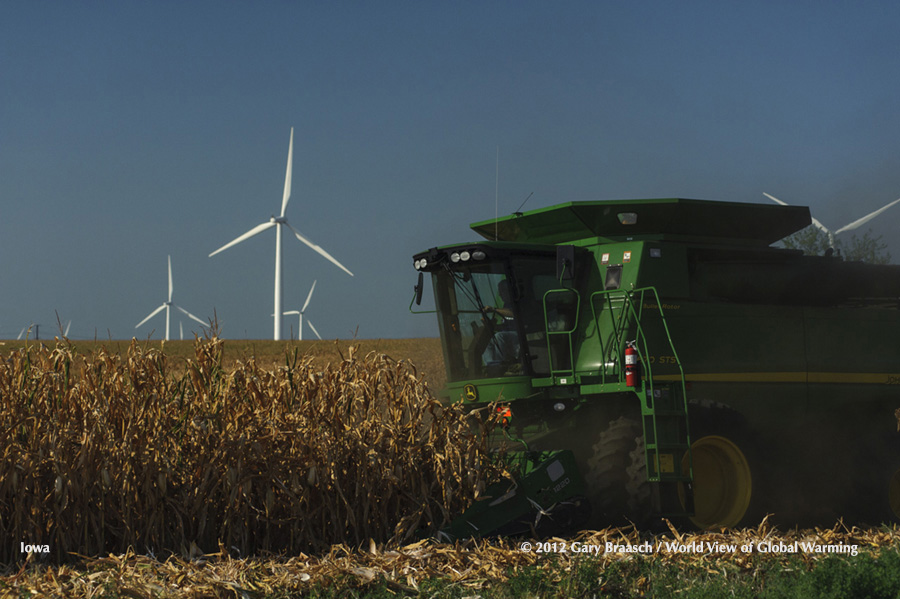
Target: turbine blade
774 199
66 334
820 226
190 315
308 297
295 312
170 278
314 329
318 249
152 314
815 221
287 175
254 231
858 223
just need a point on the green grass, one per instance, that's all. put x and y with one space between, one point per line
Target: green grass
860 577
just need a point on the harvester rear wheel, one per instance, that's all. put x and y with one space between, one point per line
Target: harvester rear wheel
894 494
616 476
873 489
722 482
723 473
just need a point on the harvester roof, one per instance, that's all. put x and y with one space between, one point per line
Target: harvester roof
673 219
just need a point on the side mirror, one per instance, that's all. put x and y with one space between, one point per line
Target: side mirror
565 262
418 290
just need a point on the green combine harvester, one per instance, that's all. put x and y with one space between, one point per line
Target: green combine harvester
659 358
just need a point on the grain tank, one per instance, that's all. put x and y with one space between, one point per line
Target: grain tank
660 357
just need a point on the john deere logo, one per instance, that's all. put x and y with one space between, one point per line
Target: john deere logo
471 392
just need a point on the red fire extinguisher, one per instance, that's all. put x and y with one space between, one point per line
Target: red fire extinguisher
632 372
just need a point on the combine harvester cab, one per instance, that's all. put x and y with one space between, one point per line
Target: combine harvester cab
658 358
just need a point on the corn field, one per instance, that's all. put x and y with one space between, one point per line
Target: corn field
107 453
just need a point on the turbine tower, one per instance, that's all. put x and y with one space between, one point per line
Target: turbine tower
167 305
300 312
278 222
854 225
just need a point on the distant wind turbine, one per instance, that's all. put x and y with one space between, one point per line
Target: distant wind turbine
854 225
169 304
302 311
275 222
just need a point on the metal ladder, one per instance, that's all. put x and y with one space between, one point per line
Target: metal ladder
667 439
667 443
664 412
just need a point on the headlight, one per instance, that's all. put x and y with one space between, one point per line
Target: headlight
464 256
454 257
478 255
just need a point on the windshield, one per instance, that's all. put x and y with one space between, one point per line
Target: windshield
492 318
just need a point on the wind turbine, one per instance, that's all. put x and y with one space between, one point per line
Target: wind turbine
277 222
167 305
300 312
854 225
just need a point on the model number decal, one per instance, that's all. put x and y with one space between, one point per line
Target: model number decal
561 484
665 360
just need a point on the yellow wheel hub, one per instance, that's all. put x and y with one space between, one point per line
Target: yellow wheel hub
722 482
894 493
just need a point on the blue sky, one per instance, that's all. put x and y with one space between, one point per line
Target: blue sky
134 130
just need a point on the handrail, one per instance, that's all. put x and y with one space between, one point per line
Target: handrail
630 318
623 318
574 325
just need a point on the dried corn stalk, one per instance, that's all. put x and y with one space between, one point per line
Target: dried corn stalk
103 452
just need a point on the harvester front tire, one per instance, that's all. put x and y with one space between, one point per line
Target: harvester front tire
616 477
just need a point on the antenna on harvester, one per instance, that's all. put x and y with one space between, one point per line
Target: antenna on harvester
497 196
519 209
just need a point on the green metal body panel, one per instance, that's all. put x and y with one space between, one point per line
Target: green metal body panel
670 218
526 505
804 350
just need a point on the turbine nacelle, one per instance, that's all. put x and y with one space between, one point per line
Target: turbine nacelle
276 221
167 306
301 312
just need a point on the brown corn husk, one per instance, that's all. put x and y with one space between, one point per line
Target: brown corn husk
106 453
